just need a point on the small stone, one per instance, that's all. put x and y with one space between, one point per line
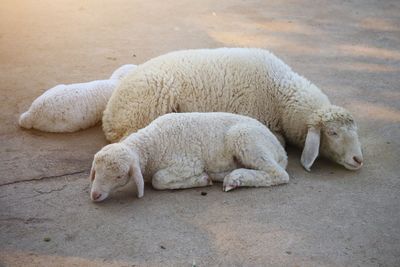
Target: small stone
288 252
204 193
162 247
47 239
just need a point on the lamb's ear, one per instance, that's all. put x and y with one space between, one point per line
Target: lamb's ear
92 173
136 174
311 148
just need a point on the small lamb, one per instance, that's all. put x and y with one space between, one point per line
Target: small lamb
183 150
72 107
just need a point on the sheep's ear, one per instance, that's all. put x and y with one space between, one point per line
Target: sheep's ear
311 148
136 174
92 173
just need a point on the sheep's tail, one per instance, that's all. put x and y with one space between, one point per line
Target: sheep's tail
26 120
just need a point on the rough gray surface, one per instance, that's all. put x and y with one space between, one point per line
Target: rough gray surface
329 217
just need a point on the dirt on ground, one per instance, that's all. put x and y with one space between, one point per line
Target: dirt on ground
328 217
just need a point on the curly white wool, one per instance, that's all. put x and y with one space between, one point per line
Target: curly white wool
245 81
183 150
72 107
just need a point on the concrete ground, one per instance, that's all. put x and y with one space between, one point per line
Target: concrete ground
329 217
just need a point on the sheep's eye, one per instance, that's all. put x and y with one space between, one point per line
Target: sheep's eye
119 177
332 133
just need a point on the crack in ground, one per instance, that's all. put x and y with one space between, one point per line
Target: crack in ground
50 191
44 178
26 220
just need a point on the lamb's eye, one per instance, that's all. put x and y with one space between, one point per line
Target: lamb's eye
119 177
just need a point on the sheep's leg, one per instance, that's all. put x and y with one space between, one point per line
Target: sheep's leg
178 178
255 178
259 166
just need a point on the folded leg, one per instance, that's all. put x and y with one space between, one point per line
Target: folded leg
254 178
181 175
259 165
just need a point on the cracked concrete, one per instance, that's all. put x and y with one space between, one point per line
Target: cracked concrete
329 217
42 178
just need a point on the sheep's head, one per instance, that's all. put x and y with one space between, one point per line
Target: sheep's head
333 133
112 168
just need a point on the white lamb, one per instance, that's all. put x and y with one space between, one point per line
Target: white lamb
183 150
72 107
245 81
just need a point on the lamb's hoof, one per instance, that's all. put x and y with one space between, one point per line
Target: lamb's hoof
230 185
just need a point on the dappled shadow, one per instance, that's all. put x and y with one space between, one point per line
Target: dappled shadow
334 50
369 52
375 111
380 24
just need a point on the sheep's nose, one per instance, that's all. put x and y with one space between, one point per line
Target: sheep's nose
358 160
96 195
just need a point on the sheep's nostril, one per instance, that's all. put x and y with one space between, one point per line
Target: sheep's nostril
358 160
96 196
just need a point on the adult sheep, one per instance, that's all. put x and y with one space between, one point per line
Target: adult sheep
245 81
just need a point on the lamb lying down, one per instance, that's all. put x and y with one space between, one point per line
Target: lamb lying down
72 107
183 150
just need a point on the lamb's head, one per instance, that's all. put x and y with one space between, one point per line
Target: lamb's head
332 132
112 168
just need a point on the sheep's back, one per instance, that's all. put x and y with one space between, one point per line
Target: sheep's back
242 81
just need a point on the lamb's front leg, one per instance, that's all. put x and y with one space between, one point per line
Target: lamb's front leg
255 178
181 175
